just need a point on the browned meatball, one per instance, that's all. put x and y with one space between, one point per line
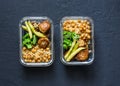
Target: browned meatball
82 55
44 26
43 42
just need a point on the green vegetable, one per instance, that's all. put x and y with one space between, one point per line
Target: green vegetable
74 53
70 35
27 42
34 31
24 27
69 51
75 47
65 46
65 32
75 36
68 38
67 35
29 46
26 35
29 30
34 39
26 39
30 39
67 42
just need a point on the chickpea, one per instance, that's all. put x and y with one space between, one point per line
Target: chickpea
88 23
46 60
28 56
85 21
24 48
30 60
72 24
79 21
49 57
88 27
36 48
33 61
42 60
44 57
88 37
24 56
47 48
88 31
38 60
77 31
84 24
33 50
71 29
82 21
81 26
80 29
25 60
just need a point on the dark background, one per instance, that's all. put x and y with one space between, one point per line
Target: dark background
105 71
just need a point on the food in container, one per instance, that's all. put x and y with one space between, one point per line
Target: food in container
37 41
77 40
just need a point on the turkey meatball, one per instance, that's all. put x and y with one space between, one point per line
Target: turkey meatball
43 42
44 26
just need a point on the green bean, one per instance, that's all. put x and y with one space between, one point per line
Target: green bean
75 47
65 46
29 30
69 51
29 46
25 36
24 27
74 53
34 39
34 31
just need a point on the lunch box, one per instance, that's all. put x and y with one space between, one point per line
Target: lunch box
21 33
91 44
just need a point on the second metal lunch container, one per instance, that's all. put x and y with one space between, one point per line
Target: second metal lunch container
41 64
91 45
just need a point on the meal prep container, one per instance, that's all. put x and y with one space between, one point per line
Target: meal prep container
91 44
21 31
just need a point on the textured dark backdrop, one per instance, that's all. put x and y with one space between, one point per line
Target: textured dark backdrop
105 71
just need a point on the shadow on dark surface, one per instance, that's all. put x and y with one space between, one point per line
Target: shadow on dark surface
36 72
80 72
40 69
7 82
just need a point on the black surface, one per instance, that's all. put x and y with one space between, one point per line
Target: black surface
105 71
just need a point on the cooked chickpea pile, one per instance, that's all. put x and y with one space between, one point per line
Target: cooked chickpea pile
81 27
36 54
